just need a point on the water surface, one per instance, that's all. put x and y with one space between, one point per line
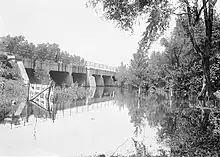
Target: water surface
102 122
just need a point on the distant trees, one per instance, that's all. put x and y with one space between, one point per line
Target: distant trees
122 75
23 49
139 70
136 74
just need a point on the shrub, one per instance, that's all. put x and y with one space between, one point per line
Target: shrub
11 87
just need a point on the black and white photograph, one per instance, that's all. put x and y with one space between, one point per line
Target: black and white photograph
110 78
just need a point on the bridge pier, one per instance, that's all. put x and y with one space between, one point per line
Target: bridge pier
99 92
91 82
99 80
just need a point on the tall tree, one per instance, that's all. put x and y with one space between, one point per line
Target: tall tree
139 70
122 75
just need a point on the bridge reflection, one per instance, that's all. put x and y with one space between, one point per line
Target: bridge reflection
93 99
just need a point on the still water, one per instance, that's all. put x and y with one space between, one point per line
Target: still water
101 123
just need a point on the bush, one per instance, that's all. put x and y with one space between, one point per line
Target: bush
11 87
12 90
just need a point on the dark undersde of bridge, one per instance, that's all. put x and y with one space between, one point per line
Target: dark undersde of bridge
61 77
79 78
30 73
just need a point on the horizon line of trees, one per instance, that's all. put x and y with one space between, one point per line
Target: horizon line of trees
23 49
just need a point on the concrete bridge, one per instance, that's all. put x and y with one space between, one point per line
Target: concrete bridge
91 74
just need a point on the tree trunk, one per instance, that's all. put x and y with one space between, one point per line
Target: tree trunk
139 95
206 85
139 91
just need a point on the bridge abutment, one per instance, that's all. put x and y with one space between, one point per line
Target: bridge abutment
91 82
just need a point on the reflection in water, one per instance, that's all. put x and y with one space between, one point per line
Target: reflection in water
99 92
103 120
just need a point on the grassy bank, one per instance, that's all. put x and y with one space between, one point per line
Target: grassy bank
11 87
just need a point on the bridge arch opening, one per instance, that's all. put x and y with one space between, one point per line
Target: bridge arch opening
79 78
108 81
61 78
30 73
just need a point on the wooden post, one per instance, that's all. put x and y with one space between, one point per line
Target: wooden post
27 103
70 107
86 82
48 98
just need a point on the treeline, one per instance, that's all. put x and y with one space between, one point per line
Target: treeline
179 67
23 49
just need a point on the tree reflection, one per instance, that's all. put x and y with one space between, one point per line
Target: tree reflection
186 129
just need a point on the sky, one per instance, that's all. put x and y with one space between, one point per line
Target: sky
77 29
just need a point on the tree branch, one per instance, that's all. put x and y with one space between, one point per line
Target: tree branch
179 14
189 29
200 12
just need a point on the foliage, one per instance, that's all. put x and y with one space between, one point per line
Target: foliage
11 87
137 74
67 58
8 70
139 69
122 75
126 13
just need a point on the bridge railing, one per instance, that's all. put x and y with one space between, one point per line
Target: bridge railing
88 64
100 66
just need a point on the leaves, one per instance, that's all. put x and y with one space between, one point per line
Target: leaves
139 69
